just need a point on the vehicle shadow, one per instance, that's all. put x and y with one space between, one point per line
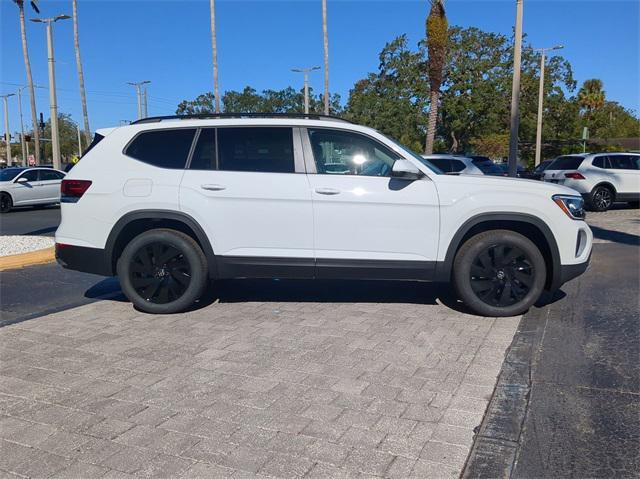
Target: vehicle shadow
616 236
307 291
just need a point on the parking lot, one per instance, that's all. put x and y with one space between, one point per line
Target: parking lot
272 378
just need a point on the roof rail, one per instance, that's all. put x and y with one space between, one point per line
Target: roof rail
206 116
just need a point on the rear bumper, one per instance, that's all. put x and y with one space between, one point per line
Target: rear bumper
86 260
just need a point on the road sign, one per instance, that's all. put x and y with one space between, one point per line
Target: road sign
32 160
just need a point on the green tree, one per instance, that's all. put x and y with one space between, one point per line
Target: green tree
591 95
68 133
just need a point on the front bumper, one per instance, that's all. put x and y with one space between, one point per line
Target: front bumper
571 271
84 259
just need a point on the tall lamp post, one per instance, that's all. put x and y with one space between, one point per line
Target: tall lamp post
7 135
53 102
305 71
541 100
23 144
515 93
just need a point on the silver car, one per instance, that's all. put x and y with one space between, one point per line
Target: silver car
29 187
453 164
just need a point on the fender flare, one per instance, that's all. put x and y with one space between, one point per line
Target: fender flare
160 215
444 268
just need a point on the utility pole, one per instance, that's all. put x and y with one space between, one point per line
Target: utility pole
146 102
325 44
214 52
138 86
515 93
53 102
79 141
541 100
23 144
7 135
305 71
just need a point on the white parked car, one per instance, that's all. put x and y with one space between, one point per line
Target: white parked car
602 178
29 187
453 164
168 203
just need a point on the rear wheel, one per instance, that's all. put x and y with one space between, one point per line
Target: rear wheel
162 271
499 273
601 198
6 203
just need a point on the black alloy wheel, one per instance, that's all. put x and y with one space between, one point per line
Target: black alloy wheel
5 203
502 275
159 272
601 198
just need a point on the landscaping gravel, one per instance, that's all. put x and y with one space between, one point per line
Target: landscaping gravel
10 245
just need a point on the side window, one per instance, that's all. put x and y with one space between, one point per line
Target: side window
31 175
602 162
162 148
204 156
345 153
457 166
623 162
50 175
443 163
266 150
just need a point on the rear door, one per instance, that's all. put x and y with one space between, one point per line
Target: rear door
247 187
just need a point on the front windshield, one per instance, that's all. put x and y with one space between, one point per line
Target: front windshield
9 174
424 161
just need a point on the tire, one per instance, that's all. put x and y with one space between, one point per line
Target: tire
499 273
162 271
601 198
6 203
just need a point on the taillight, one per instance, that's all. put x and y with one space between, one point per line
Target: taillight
72 190
574 176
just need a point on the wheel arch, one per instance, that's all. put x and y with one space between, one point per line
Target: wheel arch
608 185
136 222
530 226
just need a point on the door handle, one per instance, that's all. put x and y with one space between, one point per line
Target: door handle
213 187
327 191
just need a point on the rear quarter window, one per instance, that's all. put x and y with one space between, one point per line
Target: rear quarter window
566 163
162 148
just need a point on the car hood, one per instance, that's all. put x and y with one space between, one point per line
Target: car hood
507 184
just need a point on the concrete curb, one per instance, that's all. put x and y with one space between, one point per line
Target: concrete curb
15 261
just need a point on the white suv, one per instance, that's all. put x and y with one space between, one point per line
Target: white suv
168 203
602 178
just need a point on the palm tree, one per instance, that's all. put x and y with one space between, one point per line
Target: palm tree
27 66
83 96
437 38
591 96
326 56
214 47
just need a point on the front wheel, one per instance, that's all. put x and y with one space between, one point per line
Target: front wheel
5 203
499 273
162 271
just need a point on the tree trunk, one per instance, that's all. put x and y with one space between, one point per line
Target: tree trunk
431 125
214 48
32 96
83 96
326 56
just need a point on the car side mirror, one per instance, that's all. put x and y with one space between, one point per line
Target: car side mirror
22 179
405 170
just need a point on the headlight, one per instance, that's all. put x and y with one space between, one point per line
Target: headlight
573 206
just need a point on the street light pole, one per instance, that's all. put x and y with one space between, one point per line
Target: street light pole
541 101
53 102
23 144
138 86
305 71
7 135
515 93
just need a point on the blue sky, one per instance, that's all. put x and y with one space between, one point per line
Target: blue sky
168 43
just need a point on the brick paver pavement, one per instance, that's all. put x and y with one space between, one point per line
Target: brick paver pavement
247 389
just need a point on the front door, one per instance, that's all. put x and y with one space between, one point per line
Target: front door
367 223
246 186
29 192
